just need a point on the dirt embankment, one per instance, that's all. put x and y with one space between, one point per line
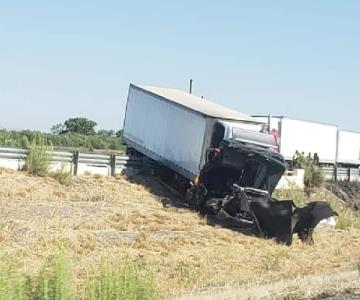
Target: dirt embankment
118 219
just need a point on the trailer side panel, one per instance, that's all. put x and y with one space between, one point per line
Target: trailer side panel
349 147
165 132
308 137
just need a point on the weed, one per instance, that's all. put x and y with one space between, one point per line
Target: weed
38 160
124 282
12 286
313 177
348 218
54 282
63 176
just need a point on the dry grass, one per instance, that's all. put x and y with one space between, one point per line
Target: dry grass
97 217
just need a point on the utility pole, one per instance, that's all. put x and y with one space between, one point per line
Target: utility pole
190 88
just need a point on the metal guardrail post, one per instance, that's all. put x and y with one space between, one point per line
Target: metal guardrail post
335 172
349 174
76 162
112 164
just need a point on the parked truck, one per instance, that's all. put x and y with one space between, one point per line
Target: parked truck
303 136
333 145
227 166
348 152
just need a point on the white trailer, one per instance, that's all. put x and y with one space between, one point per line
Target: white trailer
303 136
348 147
175 128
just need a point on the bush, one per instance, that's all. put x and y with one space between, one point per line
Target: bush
313 177
38 160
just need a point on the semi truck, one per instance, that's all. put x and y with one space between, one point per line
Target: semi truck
304 136
225 163
333 145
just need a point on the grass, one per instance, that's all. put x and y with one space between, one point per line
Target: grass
174 248
54 282
11 286
63 176
121 282
38 160
313 177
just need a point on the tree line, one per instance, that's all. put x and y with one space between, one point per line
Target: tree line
79 133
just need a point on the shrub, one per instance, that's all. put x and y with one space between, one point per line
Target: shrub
38 160
313 177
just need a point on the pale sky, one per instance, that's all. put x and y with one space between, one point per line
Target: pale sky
61 59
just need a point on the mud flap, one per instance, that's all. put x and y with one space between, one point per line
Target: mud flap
275 219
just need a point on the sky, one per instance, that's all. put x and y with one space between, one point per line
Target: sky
62 59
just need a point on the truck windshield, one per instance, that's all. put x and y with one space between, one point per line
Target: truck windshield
253 137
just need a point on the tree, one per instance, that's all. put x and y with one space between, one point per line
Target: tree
80 125
106 132
58 129
119 133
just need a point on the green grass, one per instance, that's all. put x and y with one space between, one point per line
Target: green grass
120 282
55 282
38 160
313 178
12 286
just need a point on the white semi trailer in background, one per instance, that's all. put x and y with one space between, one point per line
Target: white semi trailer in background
303 136
348 148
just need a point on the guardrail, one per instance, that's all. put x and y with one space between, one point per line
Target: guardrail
79 163
110 164
336 173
